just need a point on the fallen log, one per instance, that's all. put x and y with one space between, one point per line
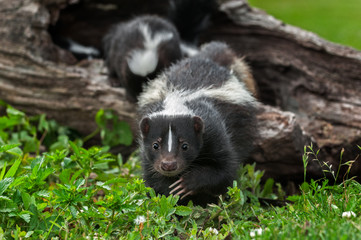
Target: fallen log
308 87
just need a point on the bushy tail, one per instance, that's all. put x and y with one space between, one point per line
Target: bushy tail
191 17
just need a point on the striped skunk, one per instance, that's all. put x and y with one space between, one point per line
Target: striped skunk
139 49
197 124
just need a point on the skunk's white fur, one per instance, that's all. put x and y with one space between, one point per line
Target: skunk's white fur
144 61
232 91
77 48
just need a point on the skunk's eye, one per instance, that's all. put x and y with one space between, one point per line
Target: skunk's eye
184 146
155 146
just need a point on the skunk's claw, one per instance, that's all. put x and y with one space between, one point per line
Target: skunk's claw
179 188
186 194
176 182
177 185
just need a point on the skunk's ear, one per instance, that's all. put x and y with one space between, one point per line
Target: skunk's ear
144 126
198 124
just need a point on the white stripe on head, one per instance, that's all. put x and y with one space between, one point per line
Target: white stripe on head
153 42
170 139
144 61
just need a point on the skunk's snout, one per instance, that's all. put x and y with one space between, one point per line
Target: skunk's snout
168 165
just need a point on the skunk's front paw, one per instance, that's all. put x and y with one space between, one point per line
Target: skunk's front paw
180 189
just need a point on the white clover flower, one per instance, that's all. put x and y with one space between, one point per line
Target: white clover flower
348 214
253 233
139 220
213 231
95 237
334 206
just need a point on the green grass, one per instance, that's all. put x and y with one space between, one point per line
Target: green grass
69 192
335 20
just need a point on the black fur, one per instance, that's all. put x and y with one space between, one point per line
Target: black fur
191 17
218 52
219 134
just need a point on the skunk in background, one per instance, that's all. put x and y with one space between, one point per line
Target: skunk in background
197 124
139 49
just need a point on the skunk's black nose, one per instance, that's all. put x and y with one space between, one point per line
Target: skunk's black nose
168 165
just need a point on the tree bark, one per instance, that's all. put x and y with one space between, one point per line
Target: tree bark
36 76
309 88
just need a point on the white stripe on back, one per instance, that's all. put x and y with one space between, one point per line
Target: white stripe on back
174 100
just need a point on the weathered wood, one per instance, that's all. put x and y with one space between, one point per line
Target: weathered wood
280 145
310 88
35 77
297 71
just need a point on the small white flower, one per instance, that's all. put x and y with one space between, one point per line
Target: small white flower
139 220
93 238
213 230
334 206
348 214
253 233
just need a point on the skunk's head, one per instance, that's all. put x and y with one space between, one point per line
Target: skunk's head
171 144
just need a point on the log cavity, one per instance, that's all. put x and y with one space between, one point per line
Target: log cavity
86 21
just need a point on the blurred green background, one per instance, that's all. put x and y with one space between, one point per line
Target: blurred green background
336 20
